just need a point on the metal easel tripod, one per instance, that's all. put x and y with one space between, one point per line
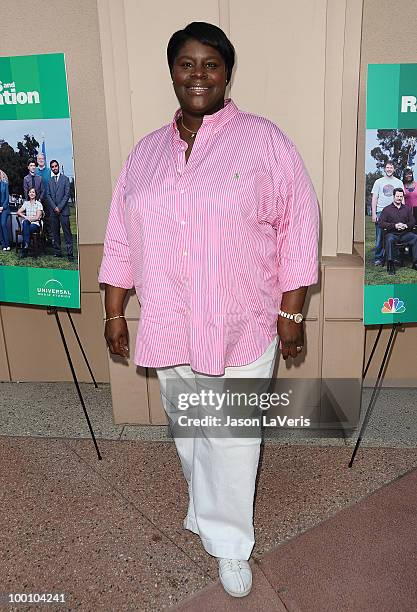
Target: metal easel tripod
54 310
394 330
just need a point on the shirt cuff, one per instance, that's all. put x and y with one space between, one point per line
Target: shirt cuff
112 274
293 274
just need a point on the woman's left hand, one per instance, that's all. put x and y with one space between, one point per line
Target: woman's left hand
291 337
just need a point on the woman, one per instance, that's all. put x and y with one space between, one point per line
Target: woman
410 190
31 212
214 222
4 211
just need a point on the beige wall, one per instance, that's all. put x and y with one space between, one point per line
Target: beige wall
30 347
308 88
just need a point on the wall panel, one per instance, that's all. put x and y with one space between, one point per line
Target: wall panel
35 349
280 77
149 26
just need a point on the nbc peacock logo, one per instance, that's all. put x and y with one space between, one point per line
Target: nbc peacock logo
393 306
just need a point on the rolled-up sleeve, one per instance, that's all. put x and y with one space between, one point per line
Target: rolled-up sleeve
116 266
298 228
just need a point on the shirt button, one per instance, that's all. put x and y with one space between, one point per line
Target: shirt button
182 222
182 190
184 253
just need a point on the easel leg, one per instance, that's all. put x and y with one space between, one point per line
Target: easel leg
61 331
81 348
376 388
372 352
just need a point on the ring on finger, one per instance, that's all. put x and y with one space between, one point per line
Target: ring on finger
299 349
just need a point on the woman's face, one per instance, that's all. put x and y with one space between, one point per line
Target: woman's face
408 177
199 76
32 194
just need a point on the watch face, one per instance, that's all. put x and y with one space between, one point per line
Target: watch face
298 318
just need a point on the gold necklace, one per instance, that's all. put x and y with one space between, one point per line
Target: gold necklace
186 128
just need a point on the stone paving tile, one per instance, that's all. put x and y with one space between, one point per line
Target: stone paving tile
65 530
299 487
53 410
150 476
361 560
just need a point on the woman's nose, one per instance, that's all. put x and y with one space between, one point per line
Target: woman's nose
199 72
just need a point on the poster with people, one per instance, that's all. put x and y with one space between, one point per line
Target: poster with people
390 292
38 208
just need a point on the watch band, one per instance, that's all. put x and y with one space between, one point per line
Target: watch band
297 317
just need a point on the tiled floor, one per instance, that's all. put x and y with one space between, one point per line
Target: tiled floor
109 533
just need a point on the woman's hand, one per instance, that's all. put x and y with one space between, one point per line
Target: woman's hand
291 337
117 337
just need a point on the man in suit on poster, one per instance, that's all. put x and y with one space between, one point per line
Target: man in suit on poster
33 180
57 196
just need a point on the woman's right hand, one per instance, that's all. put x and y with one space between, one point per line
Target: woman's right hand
117 337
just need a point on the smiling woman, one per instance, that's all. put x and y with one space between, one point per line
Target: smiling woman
214 221
200 73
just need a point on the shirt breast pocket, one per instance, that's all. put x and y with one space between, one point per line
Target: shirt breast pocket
237 196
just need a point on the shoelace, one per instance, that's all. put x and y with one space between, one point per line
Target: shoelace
231 564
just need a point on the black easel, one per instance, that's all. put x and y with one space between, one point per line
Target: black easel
54 310
394 330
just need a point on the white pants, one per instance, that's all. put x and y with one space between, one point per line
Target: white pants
220 472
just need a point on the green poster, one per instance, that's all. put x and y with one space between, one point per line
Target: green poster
390 292
39 261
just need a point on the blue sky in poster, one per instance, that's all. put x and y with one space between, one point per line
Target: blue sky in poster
372 142
57 133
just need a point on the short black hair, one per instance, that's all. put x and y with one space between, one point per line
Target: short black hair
206 34
31 161
395 191
53 161
389 161
407 171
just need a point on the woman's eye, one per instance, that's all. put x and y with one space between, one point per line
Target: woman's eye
211 65
186 64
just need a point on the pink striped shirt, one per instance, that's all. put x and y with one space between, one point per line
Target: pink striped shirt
211 244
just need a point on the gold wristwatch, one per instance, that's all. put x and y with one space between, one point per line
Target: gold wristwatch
296 317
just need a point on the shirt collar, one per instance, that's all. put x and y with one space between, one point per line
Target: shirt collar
216 120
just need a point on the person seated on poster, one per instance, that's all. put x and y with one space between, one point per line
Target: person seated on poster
410 189
381 197
31 212
57 196
397 220
4 211
33 180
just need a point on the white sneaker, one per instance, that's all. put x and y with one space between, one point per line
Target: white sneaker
6 248
235 576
